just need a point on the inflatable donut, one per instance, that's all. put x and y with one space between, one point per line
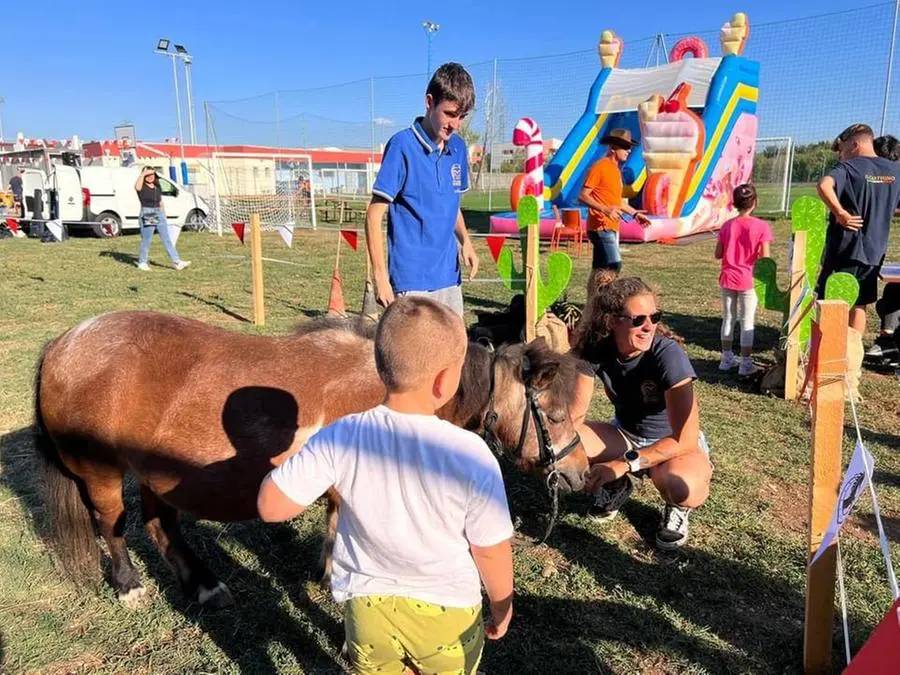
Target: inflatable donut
656 195
689 45
517 190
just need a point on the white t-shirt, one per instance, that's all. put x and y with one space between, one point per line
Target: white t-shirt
415 491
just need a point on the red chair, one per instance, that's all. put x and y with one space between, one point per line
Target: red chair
568 228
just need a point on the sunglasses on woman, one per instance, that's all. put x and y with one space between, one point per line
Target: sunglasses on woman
638 320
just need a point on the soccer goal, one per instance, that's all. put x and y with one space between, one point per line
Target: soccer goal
772 169
277 186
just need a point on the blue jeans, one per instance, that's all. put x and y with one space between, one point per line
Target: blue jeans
606 249
147 235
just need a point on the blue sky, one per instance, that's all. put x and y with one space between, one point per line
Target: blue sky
84 67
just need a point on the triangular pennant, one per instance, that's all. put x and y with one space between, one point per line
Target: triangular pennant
239 230
12 224
336 297
351 237
55 227
287 233
495 243
879 655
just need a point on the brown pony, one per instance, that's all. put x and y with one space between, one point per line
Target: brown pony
199 415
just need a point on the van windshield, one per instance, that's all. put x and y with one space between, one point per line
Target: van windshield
166 188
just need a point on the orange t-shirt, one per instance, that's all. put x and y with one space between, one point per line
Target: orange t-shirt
605 183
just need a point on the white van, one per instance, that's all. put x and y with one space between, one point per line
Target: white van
104 199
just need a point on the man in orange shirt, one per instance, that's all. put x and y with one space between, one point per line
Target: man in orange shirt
602 193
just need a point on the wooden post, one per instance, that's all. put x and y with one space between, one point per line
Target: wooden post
825 479
532 255
259 310
792 355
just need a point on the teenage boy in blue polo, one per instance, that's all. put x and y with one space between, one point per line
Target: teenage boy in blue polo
424 171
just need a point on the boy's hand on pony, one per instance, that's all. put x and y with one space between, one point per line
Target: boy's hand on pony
603 473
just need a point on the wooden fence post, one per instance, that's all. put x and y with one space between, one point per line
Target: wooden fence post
792 354
259 310
825 478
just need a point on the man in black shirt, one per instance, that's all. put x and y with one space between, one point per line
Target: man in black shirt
15 186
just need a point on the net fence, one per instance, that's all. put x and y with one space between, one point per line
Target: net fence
813 83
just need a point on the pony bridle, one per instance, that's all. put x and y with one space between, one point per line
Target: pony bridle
549 455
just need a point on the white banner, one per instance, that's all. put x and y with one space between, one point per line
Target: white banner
857 479
287 233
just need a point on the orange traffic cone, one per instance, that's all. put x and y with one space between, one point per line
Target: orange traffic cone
336 305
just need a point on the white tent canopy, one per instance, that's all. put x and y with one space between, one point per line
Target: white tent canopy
625 89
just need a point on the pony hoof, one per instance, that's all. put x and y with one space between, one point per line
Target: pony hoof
216 598
136 598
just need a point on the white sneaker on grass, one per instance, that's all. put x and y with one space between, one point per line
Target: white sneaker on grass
181 264
673 528
143 267
728 361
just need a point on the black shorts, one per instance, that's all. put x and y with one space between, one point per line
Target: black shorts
866 275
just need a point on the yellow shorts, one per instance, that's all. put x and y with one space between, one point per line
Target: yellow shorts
387 633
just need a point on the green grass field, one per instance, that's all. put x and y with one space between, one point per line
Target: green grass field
594 599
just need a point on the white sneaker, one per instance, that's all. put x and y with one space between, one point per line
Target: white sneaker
181 264
673 528
728 361
747 367
143 267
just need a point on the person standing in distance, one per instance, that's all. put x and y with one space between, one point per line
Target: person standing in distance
424 170
153 216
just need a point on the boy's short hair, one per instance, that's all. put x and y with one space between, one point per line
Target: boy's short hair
887 146
744 196
451 82
415 339
853 131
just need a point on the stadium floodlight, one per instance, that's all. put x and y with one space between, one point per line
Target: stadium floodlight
162 45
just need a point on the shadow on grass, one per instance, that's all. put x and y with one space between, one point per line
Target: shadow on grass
705 331
129 259
869 437
216 305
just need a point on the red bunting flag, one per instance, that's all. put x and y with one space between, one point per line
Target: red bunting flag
12 224
495 243
351 237
239 230
879 654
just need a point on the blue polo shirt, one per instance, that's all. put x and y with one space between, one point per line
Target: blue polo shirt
423 185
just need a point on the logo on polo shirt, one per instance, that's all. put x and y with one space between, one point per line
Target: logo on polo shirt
456 175
650 391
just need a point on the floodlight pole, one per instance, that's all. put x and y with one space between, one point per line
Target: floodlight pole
190 103
430 29
2 101
177 103
890 69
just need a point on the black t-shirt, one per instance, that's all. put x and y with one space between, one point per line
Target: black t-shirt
867 187
150 197
15 184
637 386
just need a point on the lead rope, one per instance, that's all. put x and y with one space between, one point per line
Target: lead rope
553 487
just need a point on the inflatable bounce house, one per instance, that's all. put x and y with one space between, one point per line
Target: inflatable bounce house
695 121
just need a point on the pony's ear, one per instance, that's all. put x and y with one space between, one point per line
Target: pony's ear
538 371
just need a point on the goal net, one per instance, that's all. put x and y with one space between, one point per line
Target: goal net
772 174
277 186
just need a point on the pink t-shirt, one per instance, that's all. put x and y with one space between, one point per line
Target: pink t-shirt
741 240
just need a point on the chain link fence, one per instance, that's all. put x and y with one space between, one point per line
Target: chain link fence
814 81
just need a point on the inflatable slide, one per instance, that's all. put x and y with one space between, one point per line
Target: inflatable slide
695 120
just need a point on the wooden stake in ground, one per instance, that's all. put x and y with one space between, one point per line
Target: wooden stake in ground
532 256
829 358
792 353
259 309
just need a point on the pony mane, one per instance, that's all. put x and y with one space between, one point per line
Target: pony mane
359 326
541 356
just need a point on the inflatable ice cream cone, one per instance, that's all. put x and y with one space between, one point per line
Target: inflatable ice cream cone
609 49
672 138
733 34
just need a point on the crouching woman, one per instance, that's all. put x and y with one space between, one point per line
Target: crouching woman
656 429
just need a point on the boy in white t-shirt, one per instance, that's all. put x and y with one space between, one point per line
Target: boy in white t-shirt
423 507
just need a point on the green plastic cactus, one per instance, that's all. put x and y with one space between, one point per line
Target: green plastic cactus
559 265
808 214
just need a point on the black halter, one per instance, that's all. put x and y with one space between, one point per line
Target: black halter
548 454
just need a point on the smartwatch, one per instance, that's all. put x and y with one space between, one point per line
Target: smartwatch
632 458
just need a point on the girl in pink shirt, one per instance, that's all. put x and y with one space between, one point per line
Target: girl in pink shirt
742 241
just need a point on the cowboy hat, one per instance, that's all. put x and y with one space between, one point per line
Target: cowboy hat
619 138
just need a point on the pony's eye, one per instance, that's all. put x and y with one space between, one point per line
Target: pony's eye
556 419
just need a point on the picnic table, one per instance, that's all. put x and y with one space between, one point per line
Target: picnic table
890 273
343 209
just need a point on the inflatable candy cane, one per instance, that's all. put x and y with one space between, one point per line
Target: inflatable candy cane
527 133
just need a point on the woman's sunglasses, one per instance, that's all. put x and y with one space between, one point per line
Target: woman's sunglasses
638 320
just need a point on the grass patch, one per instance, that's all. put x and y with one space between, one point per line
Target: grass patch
596 599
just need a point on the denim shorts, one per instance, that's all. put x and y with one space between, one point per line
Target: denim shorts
450 296
606 248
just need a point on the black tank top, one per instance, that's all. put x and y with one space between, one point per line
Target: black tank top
150 196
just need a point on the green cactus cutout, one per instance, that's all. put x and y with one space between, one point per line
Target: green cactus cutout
559 265
808 214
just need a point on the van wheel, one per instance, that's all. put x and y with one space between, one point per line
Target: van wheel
195 221
107 225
